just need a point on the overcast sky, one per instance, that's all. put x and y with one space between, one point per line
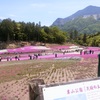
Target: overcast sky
45 11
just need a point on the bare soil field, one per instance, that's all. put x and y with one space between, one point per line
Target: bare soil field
15 75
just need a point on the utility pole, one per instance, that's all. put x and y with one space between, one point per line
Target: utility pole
98 65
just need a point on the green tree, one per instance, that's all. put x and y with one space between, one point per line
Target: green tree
7 29
84 38
59 36
43 36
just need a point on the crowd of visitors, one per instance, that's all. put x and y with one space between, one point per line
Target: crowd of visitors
86 52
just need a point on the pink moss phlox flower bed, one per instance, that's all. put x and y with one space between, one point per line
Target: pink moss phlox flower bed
37 49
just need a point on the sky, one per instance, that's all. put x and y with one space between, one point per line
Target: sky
44 11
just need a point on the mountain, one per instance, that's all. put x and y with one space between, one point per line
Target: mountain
86 20
0 20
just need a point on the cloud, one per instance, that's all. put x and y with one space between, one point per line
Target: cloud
12 15
39 5
51 12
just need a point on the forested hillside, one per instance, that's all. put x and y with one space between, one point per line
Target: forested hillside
82 25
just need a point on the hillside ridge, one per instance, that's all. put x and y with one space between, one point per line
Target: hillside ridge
86 20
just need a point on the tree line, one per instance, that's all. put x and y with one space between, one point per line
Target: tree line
21 31
84 38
